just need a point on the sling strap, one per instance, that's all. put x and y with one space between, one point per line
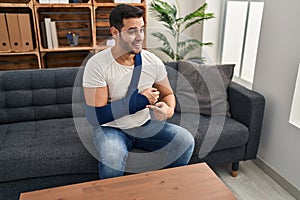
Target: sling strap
136 73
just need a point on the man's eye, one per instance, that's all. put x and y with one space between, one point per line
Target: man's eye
135 31
131 32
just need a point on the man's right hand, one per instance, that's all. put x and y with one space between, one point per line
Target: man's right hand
152 95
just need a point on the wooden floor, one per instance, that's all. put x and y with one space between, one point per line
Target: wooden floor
252 183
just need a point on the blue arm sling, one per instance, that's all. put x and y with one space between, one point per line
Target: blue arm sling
129 104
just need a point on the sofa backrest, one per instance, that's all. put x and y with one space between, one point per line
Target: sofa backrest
29 95
39 94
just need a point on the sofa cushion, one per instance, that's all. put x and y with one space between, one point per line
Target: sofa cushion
203 88
43 148
212 133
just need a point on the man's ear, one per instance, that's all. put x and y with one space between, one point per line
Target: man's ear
114 31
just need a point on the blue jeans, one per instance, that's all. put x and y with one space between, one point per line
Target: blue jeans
165 145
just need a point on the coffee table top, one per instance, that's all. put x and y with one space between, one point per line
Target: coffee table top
192 182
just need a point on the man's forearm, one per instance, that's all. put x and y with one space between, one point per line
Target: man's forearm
117 109
170 101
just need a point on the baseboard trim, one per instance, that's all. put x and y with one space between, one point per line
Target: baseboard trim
281 180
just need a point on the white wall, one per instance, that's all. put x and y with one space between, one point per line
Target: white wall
212 30
275 76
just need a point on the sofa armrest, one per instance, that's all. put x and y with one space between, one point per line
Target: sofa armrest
247 107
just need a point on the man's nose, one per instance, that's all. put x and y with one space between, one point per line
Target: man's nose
139 35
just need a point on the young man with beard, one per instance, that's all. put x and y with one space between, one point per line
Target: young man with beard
119 99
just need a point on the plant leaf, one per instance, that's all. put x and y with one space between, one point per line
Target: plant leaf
190 45
197 16
164 12
204 17
166 47
200 11
170 54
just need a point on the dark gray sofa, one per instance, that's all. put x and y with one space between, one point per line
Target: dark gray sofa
40 146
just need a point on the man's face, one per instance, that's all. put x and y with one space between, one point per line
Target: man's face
132 35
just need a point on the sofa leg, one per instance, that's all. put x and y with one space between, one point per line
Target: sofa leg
234 169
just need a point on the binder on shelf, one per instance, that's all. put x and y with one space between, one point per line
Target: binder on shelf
48 33
14 31
25 31
54 35
4 38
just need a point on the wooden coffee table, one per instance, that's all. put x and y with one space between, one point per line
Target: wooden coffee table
192 182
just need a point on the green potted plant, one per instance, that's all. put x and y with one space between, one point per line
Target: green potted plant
170 17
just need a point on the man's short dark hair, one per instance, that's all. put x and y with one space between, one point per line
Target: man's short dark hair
123 11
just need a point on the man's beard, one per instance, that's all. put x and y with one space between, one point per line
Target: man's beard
127 47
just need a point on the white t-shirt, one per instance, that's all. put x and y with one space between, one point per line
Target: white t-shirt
103 70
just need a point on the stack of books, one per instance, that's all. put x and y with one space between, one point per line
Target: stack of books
49 34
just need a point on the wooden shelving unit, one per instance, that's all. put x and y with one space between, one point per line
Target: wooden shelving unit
74 17
20 59
89 19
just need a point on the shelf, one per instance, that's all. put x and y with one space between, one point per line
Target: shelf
16 3
112 1
66 49
19 53
19 61
85 2
89 19
65 59
70 5
115 4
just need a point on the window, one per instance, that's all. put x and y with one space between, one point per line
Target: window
295 114
242 24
